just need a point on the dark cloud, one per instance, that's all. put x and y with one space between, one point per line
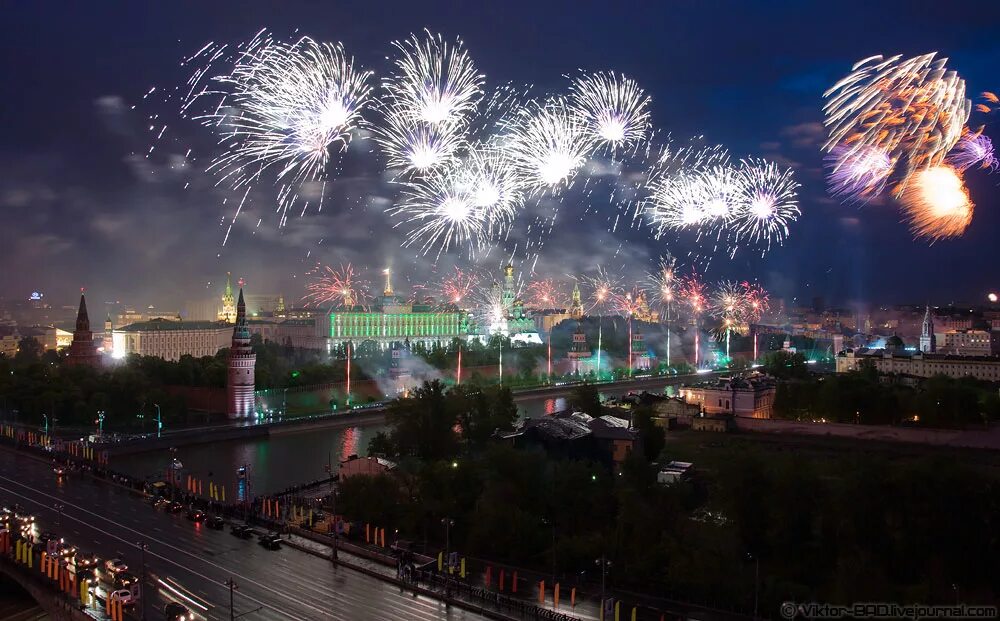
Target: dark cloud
87 203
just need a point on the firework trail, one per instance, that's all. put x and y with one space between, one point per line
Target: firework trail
912 109
937 205
341 288
614 107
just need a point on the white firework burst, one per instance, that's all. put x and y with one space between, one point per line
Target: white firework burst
768 203
548 144
615 108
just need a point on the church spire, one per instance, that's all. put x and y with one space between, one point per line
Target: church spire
928 342
576 306
82 319
228 313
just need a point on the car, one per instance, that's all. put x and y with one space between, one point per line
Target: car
174 611
196 515
270 541
216 522
59 471
86 561
175 507
122 595
88 573
159 502
241 530
125 580
66 550
46 536
115 565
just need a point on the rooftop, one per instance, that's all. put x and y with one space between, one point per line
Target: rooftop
169 324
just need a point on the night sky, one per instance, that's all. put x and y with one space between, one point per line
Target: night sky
84 208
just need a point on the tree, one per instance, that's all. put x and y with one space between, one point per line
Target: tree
786 365
652 435
29 350
423 424
587 399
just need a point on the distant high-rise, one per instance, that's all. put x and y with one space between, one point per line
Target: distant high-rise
928 342
240 380
83 349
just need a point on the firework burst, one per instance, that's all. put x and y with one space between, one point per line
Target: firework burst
694 295
548 144
937 204
974 150
912 109
768 203
341 288
615 109
435 83
545 294
458 286
602 288
857 174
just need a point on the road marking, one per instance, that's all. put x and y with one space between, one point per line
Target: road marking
167 545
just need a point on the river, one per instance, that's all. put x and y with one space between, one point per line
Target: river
289 458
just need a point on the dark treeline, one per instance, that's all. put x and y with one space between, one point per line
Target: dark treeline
849 526
864 397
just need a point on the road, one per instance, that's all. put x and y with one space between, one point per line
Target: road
191 563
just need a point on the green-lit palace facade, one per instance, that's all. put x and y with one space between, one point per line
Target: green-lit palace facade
393 320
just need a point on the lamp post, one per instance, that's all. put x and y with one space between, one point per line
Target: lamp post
604 564
159 420
46 417
60 508
448 523
100 422
232 587
552 526
756 580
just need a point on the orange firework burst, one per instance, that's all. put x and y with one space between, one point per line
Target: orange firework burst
544 294
937 204
340 288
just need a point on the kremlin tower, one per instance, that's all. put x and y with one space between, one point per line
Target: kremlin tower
228 313
576 306
240 379
83 349
108 343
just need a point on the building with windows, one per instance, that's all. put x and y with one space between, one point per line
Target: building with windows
752 397
391 319
921 364
167 339
967 342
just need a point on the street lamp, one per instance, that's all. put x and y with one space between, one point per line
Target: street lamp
552 526
159 420
448 523
46 417
604 564
60 508
100 422
756 580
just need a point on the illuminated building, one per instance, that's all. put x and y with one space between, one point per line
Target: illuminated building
9 341
167 339
240 378
228 312
738 396
927 339
576 306
967 342
510 318
641 360
920 364
107 343
581 358
393 320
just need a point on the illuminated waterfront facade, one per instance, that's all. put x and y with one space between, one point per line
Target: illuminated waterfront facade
393 320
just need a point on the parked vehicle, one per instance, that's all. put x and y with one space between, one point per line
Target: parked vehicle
216 522
270 541
241 530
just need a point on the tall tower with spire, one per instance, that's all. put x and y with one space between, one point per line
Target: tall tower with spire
83 349
928 342
108 342
228 313
240 380
576 306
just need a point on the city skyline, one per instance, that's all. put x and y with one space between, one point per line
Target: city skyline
88 210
